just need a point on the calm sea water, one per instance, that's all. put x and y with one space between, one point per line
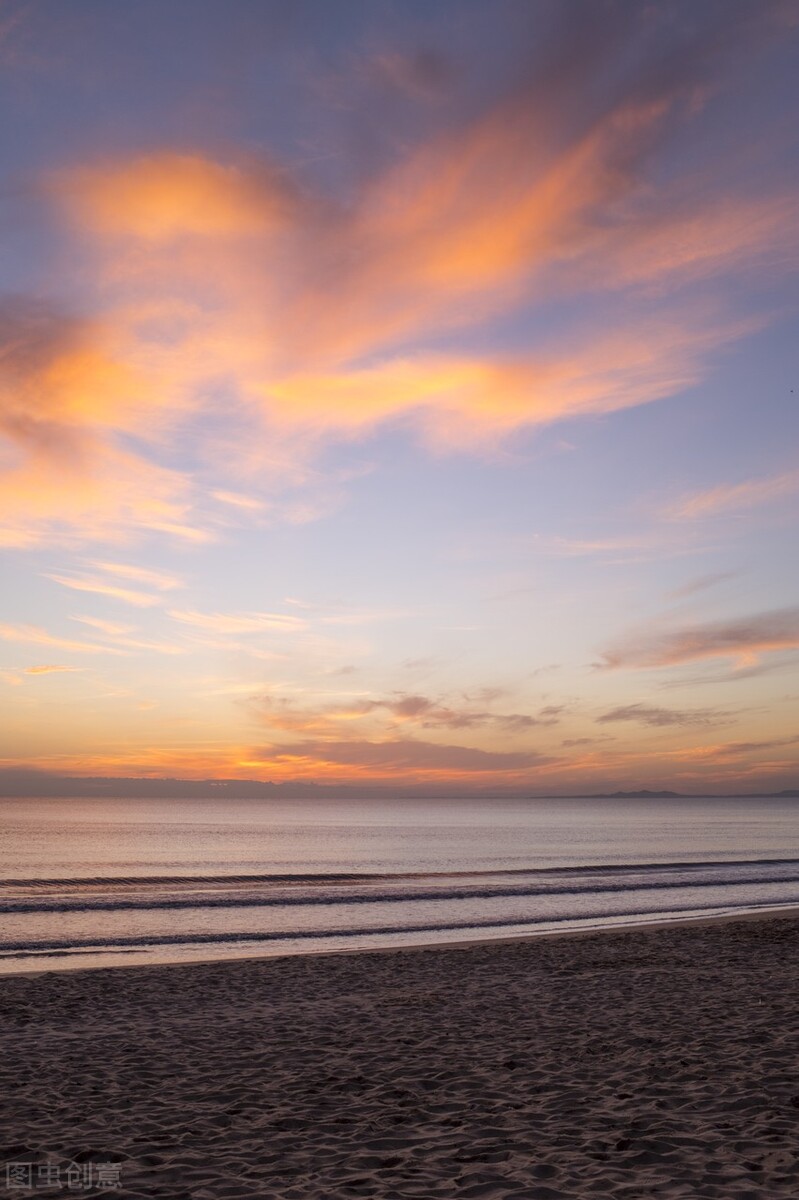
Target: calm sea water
100 882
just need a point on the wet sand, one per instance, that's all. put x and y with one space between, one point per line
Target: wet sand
662 1062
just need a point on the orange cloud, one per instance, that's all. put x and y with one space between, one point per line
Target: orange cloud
460 400
239 622
475 214
49 669
119 635
33 633
70 394
512 206
225 285
101 587
169 196
157 579
111 497
108 627
237 500
199 760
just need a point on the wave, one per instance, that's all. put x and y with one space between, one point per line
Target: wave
375 876
280 891
19 949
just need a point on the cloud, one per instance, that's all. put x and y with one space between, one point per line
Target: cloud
397 756
235 323
734 750
148 644
68 401
34 634
111 628
457 402
735 497
419 74
699 243
11 22
164 197
702 582
340 613
49 669
743 640
119 635
401 708
785 661
102 587
742 749
547 187
363 616
238 500
157 579
430 713
647 714
239 622
655 543
581 741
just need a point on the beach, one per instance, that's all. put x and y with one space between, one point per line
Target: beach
656 1062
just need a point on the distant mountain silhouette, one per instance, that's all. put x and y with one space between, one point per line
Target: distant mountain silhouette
644 794
20 782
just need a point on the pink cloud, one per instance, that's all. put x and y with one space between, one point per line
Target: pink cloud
743 640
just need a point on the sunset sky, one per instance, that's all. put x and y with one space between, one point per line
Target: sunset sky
401 393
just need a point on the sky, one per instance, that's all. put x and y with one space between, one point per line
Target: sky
396 394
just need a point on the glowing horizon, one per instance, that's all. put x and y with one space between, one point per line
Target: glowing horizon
396 397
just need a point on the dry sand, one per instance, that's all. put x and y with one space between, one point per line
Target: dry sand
656 1063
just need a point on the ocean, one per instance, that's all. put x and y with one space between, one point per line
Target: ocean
102 882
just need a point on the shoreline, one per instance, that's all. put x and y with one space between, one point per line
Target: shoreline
643 926
557 1068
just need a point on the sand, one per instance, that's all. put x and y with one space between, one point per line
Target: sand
655 1063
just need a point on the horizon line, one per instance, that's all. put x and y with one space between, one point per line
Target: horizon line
62 785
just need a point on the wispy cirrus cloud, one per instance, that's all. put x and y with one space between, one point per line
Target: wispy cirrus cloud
238 500
115 640
16 677
110 628
35 634
161 580
253 622
458 401
49 669
149 645
743 640
702 582
722 751
105 584
736 497
737 672
638 547
648 714
103 587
